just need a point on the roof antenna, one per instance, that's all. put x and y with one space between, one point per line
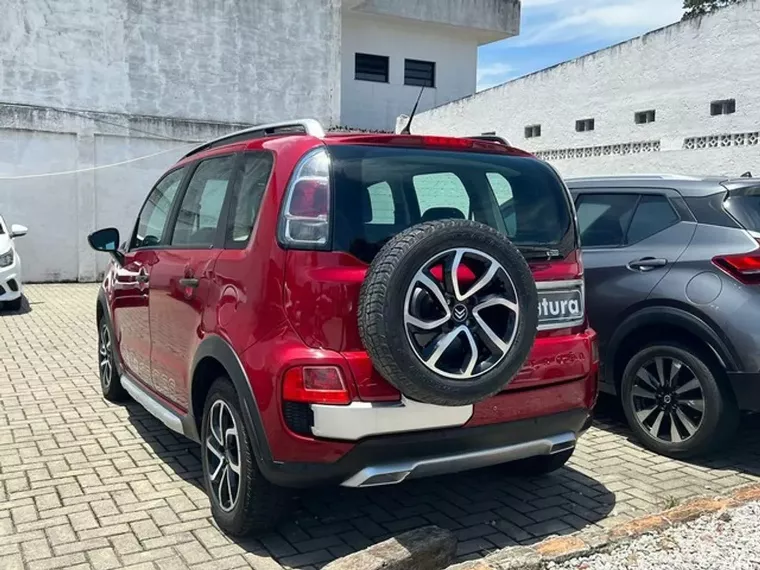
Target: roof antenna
406 130
747 174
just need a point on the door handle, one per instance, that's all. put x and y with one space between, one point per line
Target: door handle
647 263
189 282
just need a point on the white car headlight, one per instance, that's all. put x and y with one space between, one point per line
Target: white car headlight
6 259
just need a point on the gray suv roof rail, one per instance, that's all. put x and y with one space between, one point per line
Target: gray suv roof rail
664 176
310 127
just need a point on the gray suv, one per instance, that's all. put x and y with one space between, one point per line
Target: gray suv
672 267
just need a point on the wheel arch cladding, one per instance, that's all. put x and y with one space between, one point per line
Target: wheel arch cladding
666 324
214 358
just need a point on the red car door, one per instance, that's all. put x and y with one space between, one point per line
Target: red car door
131 285
182 288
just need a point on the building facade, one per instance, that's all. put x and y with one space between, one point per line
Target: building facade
682 99
98 97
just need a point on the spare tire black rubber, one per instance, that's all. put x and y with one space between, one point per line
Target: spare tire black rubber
398 304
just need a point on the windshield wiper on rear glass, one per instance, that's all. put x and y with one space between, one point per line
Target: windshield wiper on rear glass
539 252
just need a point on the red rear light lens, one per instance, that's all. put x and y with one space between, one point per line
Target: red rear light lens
315 385
309 198
447 142
744 267
305 219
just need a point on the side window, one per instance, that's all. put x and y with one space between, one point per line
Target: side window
201 208
502 191
441 195
604 218
381 204
155 212
653 215
256 170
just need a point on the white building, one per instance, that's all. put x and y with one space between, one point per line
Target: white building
682 99
97 98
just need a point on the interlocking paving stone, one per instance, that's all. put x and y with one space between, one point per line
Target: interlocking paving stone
88 484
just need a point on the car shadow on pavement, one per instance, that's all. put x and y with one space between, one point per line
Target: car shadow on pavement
486 509
176 451
26 307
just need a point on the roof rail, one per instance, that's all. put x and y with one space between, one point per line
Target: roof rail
301 126
664 176
491 138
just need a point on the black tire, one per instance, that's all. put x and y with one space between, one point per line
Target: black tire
382 304
14 305
720 416
108 369
541 464
259 505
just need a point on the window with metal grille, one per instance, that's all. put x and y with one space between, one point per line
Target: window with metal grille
643 117
419 73
532 131
584 125
371 68
723 107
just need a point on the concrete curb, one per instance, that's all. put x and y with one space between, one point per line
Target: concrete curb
561 548
426 548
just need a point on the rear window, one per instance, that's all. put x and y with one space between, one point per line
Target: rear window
744 206
381 191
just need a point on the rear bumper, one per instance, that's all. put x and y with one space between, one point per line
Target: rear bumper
746 386
394 458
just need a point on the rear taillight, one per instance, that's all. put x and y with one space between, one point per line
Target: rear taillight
744 267
315 385
305 218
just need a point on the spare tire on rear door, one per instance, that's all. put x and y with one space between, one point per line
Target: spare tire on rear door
448 312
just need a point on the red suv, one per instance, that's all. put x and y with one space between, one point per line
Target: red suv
350 309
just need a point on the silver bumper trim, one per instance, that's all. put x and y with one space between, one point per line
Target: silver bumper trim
363 419
392 473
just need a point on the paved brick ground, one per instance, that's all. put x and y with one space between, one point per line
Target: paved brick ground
87 484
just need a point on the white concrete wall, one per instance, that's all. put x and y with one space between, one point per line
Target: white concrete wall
372 105
65 176
227 60
677 71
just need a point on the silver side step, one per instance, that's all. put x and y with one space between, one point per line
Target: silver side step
392 473
160 412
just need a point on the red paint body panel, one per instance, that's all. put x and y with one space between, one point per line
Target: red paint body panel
180 317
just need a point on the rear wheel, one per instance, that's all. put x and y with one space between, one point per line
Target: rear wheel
14 305
675 401
110 383
242 500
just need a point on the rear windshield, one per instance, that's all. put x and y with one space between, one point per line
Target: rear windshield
744 206
381 191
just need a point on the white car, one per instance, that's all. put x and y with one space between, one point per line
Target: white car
10 266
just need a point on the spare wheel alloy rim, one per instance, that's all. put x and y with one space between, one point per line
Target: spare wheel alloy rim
461 313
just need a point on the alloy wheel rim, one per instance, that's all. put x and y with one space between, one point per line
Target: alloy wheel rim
461 334
105 356
223 456
668 400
